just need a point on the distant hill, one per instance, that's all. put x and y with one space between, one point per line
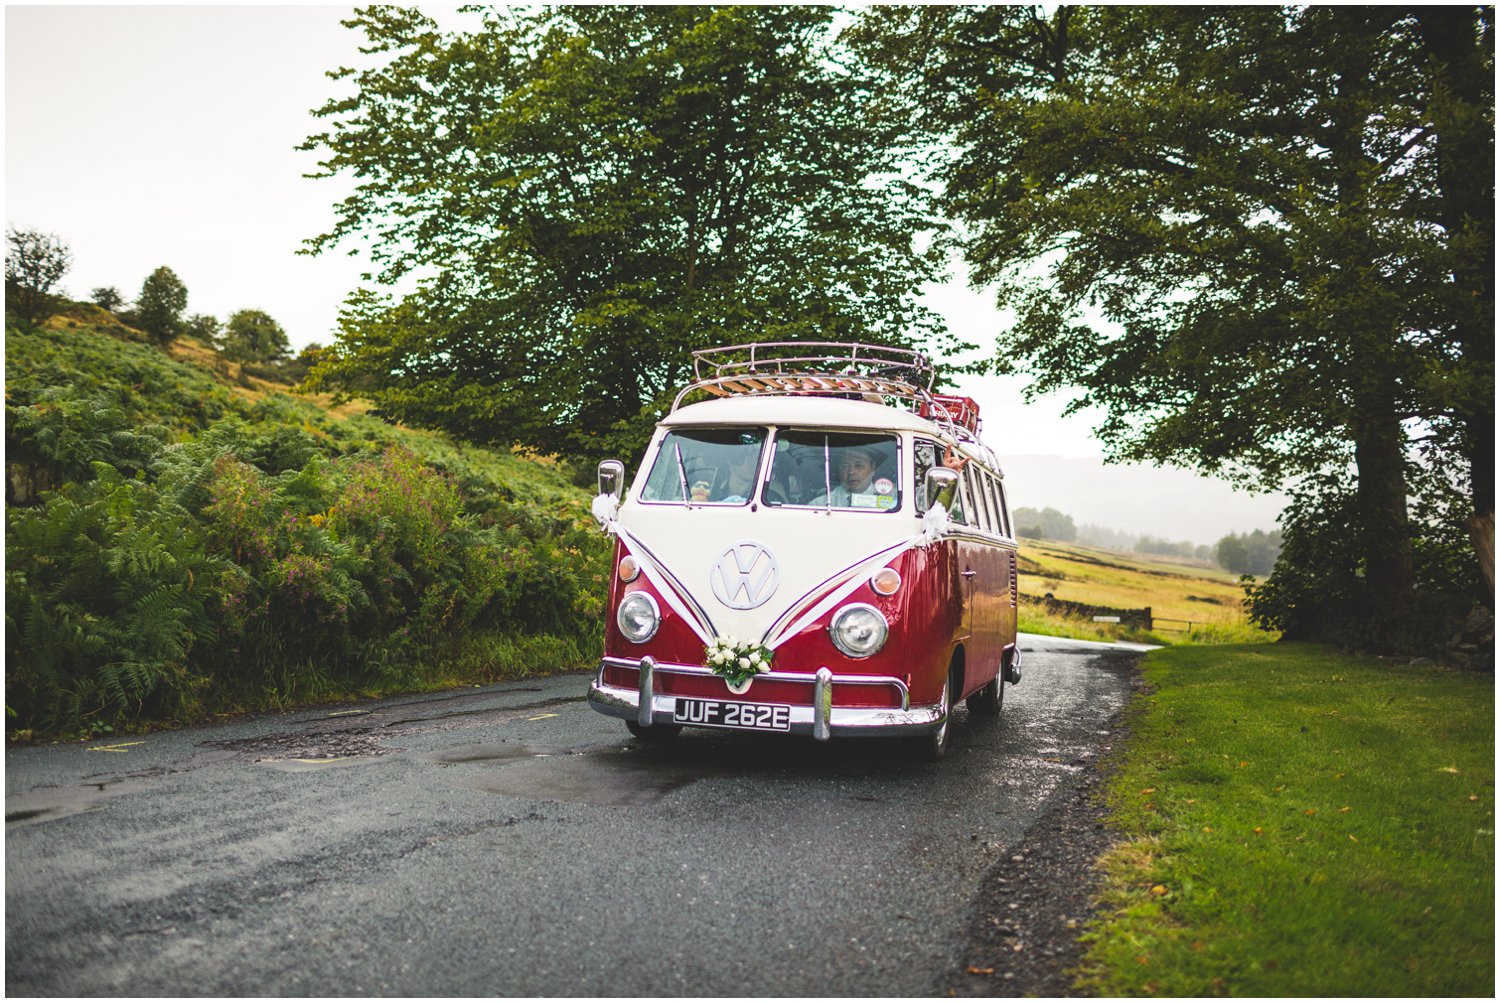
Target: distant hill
1164 503
1061 584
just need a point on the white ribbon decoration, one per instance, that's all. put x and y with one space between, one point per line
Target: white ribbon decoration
934 524
606 509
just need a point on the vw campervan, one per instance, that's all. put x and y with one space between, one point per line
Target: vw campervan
820 546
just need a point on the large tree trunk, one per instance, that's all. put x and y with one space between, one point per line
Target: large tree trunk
1482 536
1380 456
1458 42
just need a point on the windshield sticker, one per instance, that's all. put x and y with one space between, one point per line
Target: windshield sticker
884 486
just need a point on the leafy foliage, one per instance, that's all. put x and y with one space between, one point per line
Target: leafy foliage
161 302
253 336
1320 587
597 191
1044 524
107 298
34 263
203 326
1252 553
182 549
1260 238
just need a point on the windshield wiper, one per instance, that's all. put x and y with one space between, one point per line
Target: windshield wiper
827 480
682 472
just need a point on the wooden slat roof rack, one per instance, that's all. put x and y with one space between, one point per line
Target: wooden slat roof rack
899 377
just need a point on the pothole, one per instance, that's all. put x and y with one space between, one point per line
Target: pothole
313 749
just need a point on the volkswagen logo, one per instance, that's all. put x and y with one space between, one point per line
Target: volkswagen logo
745 575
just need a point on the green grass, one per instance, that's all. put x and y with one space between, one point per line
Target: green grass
1300 823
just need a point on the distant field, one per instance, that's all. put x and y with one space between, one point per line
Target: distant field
1179 595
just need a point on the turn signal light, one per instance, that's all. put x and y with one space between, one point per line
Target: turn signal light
629 569
886 581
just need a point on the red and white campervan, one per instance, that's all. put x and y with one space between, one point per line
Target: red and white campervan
821 546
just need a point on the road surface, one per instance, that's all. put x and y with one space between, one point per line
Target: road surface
507 840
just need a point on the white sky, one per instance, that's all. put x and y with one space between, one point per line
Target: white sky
145 136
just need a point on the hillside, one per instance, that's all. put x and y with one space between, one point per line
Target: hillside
184 538
1186 603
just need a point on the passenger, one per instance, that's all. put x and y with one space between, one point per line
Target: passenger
738 484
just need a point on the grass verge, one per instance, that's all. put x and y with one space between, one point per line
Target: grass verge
1300 823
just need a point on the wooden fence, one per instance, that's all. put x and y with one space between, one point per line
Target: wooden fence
1129 617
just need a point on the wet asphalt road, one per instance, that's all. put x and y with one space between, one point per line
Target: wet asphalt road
510 841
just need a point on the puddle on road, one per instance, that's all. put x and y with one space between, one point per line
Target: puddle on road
492 753
633 775
47 804
600 778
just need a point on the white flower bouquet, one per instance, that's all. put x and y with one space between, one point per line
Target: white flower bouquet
737 661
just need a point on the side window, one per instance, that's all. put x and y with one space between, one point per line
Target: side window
982 517
992 491
991 517
1004 508
959 510
924 458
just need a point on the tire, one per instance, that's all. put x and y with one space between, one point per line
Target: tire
655 733
988 701
933 747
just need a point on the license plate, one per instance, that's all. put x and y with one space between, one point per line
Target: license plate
734 714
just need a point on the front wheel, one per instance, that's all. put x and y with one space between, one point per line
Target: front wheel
935 746
655 732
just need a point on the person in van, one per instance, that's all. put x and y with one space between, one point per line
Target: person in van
738 483
856 474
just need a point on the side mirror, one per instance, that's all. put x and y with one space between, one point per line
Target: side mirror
611 477
941 484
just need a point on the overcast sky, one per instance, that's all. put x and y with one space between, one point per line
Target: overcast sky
148 136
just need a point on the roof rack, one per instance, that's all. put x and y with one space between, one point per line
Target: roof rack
893 376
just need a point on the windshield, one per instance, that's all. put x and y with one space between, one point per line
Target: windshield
842 470
709 466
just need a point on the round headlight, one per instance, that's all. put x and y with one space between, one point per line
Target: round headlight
858 630
638 617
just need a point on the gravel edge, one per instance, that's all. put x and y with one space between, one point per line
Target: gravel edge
1032 907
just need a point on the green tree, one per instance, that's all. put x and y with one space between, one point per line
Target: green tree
254 336
1260 238
1046 524
203 326
107 298
161 303
592 192
34 263
1252 553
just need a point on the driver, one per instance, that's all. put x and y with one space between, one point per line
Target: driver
855 471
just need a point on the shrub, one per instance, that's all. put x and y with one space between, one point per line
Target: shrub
107 593
186 551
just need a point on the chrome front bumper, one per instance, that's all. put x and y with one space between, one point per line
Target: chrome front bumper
821 719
